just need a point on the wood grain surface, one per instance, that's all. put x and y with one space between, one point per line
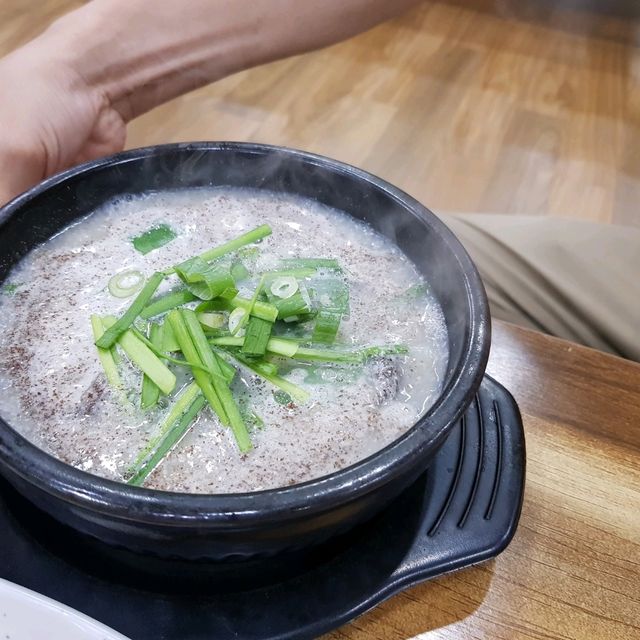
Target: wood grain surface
506 106
572 570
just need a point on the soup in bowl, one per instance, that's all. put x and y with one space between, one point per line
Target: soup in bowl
228 350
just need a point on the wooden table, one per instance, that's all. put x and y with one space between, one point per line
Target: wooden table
573 568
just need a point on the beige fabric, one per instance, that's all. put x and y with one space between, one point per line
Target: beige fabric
573 279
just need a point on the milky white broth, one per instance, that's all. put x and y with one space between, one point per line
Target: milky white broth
52 385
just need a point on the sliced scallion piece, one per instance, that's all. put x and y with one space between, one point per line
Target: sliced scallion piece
206 281
282 347
284 287
299 394
211 320
129 317
154 238
10 288
150 393
233 245
171 439
300 273
182 403
239 271
126 283
327 325
277 346
165 356
250 237
190 352
327 355
169 343
167 302
349 357
210 359
235 321
105 355
259 309
391 350
244 318
295 305
228 371
144 358
227 341
256 337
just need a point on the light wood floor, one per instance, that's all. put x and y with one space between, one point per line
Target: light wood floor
470 105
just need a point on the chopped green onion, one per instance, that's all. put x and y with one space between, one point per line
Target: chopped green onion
205 382
228 372
239 272
125 321
235 320
332 375
154 238
282 347
210 359
244 318
170 434
229 293
392 350
326 355
218 304
150 393
327 325
277 346
297 304
144 358
165 356
169 343
414 292
10 288
227 341
126 283
267 367
257 336
269 276
211 320
147 361
297 393
206 281
182 403
253 419
348 357
331 294
167 302
250 237
106 355
284 287
233 245
281 397
259 309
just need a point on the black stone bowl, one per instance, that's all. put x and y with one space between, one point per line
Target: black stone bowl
260 524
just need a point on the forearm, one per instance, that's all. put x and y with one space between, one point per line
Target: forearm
141 53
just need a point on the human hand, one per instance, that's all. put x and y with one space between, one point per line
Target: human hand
50 118
67 95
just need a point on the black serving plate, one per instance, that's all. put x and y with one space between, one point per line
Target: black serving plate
462 511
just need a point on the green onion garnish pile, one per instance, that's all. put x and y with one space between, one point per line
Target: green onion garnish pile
206 327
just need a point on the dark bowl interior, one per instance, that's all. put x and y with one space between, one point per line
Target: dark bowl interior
262 523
